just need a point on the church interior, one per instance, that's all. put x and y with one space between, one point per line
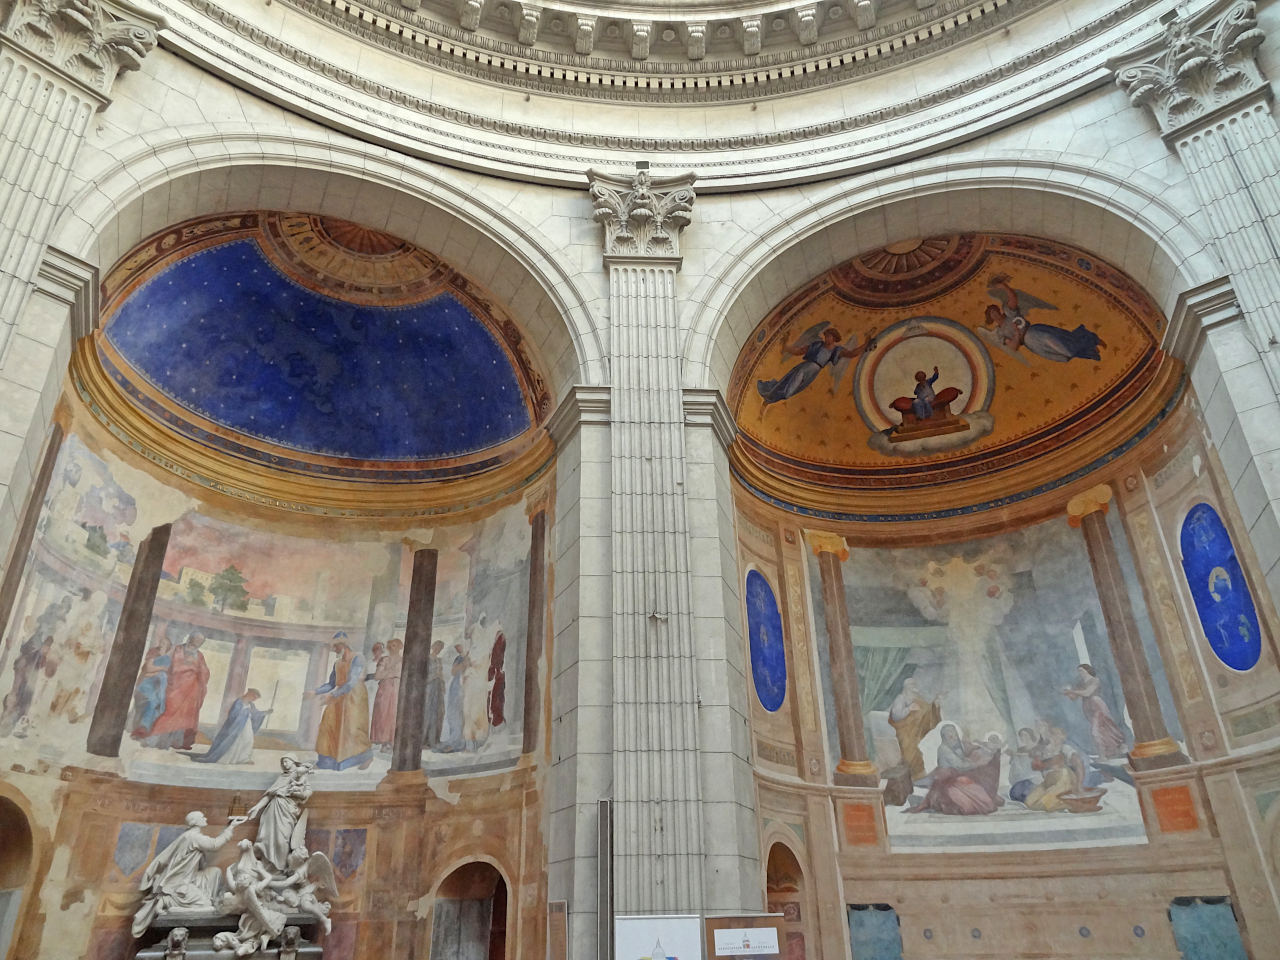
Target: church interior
503 480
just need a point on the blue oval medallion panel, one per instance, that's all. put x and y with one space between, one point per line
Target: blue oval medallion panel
764 630
1219 590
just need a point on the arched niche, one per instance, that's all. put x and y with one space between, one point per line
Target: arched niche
787 892
196 172
1119 215
17 867
469 919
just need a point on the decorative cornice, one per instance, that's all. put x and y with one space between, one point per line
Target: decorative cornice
642 216
90 41
706 408
1200 65
1197 311
527 132
73 282
582 404
643 77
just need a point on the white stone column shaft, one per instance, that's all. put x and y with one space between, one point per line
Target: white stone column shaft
657 804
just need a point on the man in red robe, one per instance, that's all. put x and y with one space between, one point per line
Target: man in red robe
184 696
498 681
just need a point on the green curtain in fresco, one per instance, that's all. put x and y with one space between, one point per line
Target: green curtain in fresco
880 674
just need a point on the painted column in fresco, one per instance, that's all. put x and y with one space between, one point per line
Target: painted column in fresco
1153 747
115 696
406 749
237 673
537 621
658 847
855 769
58 63
27 527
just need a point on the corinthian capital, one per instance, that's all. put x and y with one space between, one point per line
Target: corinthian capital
642 215
1202 63
91 41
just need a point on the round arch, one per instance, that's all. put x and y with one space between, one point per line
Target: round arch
1117 213
193 171
467 875
24 860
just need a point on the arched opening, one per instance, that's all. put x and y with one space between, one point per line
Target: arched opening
786 893
16 846
470 918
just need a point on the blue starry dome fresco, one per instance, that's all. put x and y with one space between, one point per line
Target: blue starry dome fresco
321 338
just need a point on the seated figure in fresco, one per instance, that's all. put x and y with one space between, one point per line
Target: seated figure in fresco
928 413
1022 777
1061 769
967 778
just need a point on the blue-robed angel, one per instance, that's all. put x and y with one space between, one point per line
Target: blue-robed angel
234 740
1008 325
820 347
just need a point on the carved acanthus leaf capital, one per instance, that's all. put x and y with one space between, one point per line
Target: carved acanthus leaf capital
1200 64
642 215
92 41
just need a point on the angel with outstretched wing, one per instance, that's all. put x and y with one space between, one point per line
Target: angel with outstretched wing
1006 323
312 878
819 346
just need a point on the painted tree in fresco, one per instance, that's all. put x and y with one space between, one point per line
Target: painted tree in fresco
228 589
196 594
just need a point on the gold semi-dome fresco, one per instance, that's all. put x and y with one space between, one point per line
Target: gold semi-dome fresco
942 376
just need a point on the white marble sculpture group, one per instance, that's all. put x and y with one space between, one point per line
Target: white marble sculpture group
274 876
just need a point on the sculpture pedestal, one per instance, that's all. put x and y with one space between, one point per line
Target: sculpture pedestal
165 940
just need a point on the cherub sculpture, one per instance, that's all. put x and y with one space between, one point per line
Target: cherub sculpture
248 880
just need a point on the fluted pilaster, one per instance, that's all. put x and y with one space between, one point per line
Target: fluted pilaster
657 819
1202 83
58 62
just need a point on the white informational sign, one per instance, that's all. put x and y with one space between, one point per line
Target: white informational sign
657 938
747 942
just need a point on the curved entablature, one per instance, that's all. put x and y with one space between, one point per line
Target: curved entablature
940 377
317 365
750 120
706 51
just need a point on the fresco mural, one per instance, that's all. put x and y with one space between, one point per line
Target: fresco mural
1219 589
989 691
768 646
943 361
262 643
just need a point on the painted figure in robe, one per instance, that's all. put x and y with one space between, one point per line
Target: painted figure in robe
966 780
1108 738
819 346
343 739
233 742
1061 769
382 725
1009 324
151 690
912 717
184 696
433 714
498 680
451 737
